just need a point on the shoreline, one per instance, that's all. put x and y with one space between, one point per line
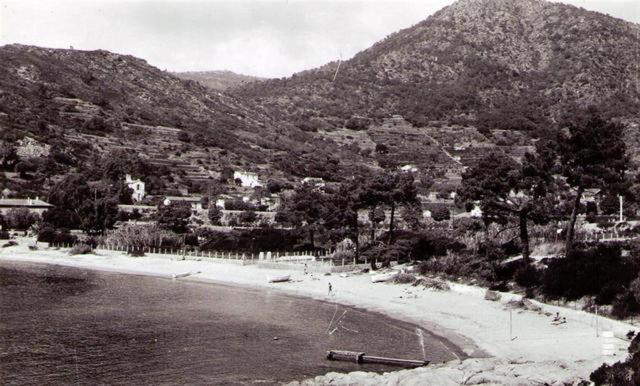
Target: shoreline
474 329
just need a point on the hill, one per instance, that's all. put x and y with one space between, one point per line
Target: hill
86 104
494 64
218 80
477 75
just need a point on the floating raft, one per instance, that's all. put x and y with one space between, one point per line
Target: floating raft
360 357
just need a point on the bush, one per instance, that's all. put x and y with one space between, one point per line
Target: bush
9 244
625 305
625 373
248 217
238 205
435 284
462 265
4 235
586 272
48 234
528 276
343 255
404 278
251 240
80 249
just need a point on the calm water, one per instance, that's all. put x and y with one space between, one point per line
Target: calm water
70 326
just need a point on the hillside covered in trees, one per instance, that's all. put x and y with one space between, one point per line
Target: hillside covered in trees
495 64
477 75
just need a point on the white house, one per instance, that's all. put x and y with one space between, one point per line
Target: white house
137 186
315 181
248 180
409 168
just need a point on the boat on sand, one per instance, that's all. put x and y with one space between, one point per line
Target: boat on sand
278 279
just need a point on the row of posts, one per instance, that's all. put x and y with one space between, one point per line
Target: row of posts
209 254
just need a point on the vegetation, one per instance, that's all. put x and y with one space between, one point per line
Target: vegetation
622 373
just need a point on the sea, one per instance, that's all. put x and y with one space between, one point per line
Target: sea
69 326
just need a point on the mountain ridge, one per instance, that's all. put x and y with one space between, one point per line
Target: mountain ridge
470 56
219 80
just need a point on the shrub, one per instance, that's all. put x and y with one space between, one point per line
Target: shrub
435 284
404 278
586 272
136 252
625 305
462 265
528 276
11 243
80 249
625 373
48 234
343 255
248 217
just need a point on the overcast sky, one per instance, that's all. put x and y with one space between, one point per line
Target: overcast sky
269 38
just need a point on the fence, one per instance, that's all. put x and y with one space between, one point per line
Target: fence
604 236
281 259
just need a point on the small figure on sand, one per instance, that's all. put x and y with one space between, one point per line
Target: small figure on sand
558 320
330 288
306 269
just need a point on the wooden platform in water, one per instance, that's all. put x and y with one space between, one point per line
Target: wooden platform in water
360 357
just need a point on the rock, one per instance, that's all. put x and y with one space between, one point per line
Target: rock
492 295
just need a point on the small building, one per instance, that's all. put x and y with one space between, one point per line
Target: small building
409 168
314 181
28 147
137 186
272 202
246 179
33 205
195 202
142 209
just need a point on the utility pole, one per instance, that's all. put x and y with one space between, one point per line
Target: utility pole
621 199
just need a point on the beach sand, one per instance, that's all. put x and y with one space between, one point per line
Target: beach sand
506 345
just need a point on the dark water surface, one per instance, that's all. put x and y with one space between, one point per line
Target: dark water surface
72 326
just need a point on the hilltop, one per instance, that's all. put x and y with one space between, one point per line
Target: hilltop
218 80
494 64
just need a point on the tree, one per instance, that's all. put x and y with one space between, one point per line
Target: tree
376 216
275 186
306 209
341 212
592 155
508 191
8 155
248 217
174 217
79 204
214 214
412 216
20 218
390 189
403 192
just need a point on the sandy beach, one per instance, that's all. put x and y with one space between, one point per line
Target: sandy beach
497 344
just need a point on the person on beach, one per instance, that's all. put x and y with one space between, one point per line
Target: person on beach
305 268
330 288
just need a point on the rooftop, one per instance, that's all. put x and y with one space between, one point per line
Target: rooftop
24 202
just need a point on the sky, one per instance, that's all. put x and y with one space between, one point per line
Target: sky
267 38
